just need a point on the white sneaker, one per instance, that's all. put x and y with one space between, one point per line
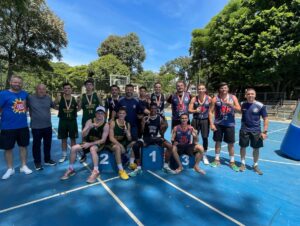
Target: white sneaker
205 160
167 169
8 173
62 159
25 169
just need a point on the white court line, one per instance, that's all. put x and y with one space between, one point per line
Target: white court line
197 199
114 196
53 196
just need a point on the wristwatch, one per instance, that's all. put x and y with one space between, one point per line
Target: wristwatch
265 132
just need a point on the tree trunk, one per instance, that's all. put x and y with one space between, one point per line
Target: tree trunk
9 74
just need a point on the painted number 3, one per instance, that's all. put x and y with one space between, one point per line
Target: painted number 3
104 159
185 160
153 156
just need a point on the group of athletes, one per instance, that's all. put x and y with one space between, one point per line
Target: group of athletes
129 123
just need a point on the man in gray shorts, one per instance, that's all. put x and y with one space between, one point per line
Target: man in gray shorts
41 127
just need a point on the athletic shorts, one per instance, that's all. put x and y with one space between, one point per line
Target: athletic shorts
254 138
224 133
202 126
134 133
153 141
67 128
186 149
9 137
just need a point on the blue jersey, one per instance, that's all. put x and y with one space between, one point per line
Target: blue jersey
184 136
180 105
13 107
251 113
133 107
203 108
224 114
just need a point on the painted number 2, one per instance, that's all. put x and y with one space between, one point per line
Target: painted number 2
153 156
104 159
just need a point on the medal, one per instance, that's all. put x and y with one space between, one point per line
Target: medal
68 106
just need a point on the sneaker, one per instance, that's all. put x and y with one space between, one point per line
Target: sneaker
50 163
25 169
257 170
132 166
68 174
83 158
123 175
38 166
8 173
234 167
93 177
215 163
242 167
136 172
167 169
62 159
205 160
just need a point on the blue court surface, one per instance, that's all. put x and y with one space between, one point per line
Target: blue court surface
221 197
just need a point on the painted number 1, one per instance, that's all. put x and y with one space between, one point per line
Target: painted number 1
153 156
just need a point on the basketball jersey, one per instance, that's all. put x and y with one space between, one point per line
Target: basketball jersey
64 112
224 114
160 101
184 136
95 133
152 126
88 105
180 105
119 132
110 105
204 108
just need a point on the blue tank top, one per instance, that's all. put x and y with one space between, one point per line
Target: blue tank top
180 105
183 136
160 101
204 108
224 114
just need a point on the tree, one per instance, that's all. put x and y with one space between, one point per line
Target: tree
127 49
105 66
178 67
30 34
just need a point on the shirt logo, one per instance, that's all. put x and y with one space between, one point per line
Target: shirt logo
255 110
18 106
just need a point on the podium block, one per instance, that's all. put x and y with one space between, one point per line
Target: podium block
152 157
186 161
107 162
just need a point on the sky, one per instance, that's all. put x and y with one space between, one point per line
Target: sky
163 26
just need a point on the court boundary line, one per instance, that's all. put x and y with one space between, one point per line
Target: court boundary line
53 196
112 194
197 199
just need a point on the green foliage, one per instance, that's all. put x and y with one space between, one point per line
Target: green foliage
251 42
105 66
127 49
178 67
30 34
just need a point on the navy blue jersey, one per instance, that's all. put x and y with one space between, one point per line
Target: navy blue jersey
133 108
160 101
180 105
203 108
110 105
251 113
224 114
184 136
152 126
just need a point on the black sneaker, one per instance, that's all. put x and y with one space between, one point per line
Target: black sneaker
38 166
50 163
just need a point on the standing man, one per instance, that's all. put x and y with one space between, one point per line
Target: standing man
133 108
199 106
14 127
145 104
180 103
222 122
95 133
40 105
112 102
88 103
67 125
252 111
158 98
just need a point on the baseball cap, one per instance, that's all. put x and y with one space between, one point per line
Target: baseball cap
100 108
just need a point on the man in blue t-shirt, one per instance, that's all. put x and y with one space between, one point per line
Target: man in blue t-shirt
133 108
250 132
14 126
